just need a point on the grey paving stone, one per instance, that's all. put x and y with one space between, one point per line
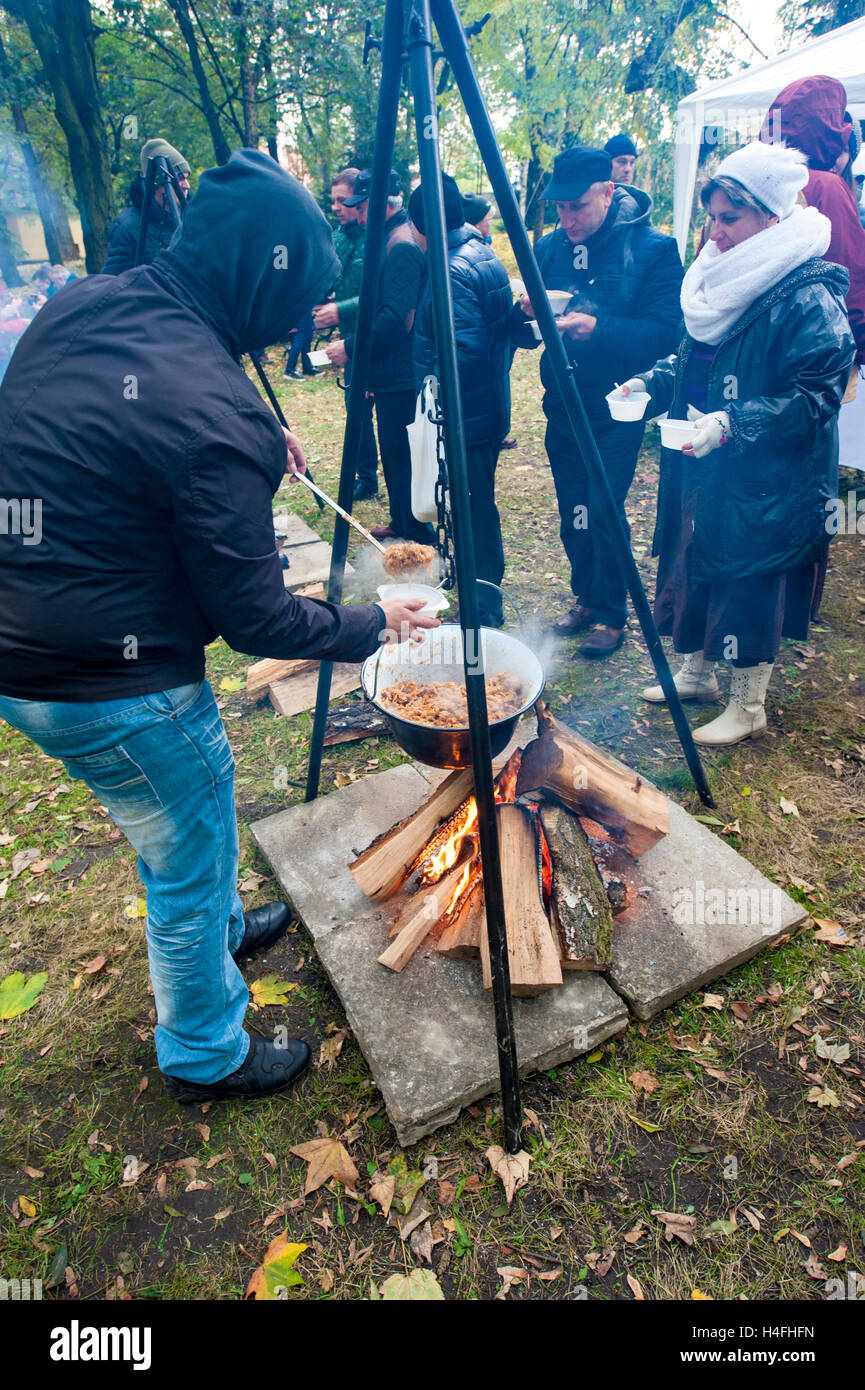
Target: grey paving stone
707 910
294 528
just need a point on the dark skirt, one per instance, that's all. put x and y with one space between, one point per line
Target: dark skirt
737 620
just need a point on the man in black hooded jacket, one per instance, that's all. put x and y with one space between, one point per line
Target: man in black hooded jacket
144 464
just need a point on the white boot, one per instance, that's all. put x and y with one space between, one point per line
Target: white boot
696 680
745 715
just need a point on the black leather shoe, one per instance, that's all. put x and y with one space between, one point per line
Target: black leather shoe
577 619
268 1067
293 376
264 925
362 492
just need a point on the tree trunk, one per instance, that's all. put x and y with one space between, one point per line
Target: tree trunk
55 224
8 258
248 82
62 33
221 149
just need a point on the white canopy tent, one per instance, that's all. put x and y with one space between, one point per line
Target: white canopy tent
732 110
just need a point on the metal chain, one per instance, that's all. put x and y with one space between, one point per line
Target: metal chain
444 529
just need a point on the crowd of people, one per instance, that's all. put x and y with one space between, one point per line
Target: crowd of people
156 499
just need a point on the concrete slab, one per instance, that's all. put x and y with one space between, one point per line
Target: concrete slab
707 909
429 1032
294 528
308 564
329 832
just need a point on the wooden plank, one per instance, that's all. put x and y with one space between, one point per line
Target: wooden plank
381 868
270 670
298 693
418 919
533 954
590 783
579 909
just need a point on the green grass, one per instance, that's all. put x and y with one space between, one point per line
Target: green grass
73 1109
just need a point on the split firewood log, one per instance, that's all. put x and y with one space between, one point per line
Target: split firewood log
579 909
591 783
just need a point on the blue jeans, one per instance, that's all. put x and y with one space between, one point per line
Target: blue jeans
163 767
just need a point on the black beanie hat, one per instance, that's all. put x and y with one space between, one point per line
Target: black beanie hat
453 200
620 144
475 207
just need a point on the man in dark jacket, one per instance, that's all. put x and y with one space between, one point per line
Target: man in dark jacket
155 534
391 372
624 278
482 303
161 221
341 311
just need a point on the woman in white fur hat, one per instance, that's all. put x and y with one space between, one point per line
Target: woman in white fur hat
744 510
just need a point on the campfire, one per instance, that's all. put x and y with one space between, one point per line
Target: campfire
571 823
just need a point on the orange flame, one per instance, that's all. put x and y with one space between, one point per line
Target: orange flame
445 857
460 887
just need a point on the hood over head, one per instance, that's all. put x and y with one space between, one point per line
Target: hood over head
811 115
254 252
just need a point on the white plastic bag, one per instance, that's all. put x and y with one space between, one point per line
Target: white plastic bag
423 442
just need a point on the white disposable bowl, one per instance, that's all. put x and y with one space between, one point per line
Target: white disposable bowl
436 601
319 358
632 407
559 300
676 433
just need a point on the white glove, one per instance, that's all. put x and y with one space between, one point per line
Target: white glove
634 383
714 430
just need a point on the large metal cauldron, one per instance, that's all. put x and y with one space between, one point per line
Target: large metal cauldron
438 656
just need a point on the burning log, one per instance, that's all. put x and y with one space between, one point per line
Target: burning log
579 910
419 918
382 867
532 951
461 938
587 781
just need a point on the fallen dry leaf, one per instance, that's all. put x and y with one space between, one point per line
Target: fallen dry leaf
839 1254
331 1048
422 1242
327 1158
644 1081
832 933
675 1225
198 1185
813 1267
846 1161
513 1169
382 1193
713 1001
823 1096
635 1234
636 1288
325 1281
600 1261
511 1275
216 1158
788 807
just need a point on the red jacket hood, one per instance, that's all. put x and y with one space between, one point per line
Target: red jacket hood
811 115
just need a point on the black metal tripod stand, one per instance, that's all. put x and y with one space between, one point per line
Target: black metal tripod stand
408 27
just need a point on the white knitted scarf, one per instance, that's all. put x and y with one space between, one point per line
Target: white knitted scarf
721 285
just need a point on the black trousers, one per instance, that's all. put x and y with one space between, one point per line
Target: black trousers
367 461
481 460
597 580
394 412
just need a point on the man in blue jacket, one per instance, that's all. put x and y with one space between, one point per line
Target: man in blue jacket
482 304
130 432
623 277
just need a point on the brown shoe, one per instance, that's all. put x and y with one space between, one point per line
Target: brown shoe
577 619
383 533
602 641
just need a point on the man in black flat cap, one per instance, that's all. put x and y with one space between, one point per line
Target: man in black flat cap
623 277
623 152
391 372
